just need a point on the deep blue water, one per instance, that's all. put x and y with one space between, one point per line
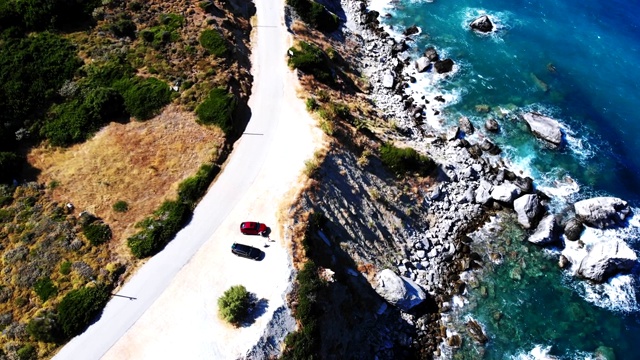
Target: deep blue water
579 62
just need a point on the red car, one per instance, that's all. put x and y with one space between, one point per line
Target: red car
253 228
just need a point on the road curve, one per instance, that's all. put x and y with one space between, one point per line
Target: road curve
240 174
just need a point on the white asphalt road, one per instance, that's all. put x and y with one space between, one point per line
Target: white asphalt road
174 311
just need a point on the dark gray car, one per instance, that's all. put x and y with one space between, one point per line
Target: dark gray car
246 251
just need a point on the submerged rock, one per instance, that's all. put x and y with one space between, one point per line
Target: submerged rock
482 24
602 212
492 125
431 54
544 127
476 332
606 259
413 29
399 291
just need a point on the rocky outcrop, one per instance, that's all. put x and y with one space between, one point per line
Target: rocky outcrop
573 229
528 209
505 193
466 125
482 24
422 64
477 333
431 54
399 291
602 212
443 66
492 125
544 127
388 80
545 232
605 259
411 30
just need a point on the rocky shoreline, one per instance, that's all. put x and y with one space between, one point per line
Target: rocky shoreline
473 183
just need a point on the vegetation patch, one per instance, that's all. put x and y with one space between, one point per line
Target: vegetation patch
233 305
311 59
193 188
97 232
156 231
217 109
45 288
214 43
144 98
405 160
79 307
165 32
315 14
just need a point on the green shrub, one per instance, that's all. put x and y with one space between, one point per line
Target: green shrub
157 230
315 14
108 73
206 5
165 33
135 6
192 189
45 288
44 327
312 104
144 98
123 27
70 123
214 43
233 305
217 109
27 352
97 232
121 206
79 307
65 268
311 59
403 160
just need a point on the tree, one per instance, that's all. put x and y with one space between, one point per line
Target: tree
233 305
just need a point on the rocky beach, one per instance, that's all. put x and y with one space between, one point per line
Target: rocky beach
434 256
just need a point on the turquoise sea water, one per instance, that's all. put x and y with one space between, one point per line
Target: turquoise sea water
579 62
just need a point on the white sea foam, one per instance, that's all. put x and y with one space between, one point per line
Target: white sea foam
539 352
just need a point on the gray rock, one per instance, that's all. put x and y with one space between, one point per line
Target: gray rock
443 66
388 80
431 54
505 193
421 254
607 258
466 125
602 212
492 125
528 209
573 229
482 24
422 64
545 232
544 127
399 291
483 193
452 133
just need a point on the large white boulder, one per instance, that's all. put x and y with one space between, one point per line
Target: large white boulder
505 193
544 127
602 212
528 208
399 291
607 258
545 232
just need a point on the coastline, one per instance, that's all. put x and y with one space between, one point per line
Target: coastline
453 200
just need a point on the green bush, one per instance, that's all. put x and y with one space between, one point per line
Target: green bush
315 14
45 288
144 98
312 104
47 14
70 123
214 43
217 109
192 189
233 305
27 352
123 27
44 327
165 33
121 206
97 232
403 160
65 268
79 307
311 59
157 230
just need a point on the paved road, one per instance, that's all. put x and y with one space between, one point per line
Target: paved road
239 174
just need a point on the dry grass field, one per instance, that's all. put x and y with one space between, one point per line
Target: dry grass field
141 163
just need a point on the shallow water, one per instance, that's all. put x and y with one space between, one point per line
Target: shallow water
578 62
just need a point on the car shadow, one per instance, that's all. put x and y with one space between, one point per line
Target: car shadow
266 233
258 308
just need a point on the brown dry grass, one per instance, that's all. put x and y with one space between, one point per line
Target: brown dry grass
141 163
